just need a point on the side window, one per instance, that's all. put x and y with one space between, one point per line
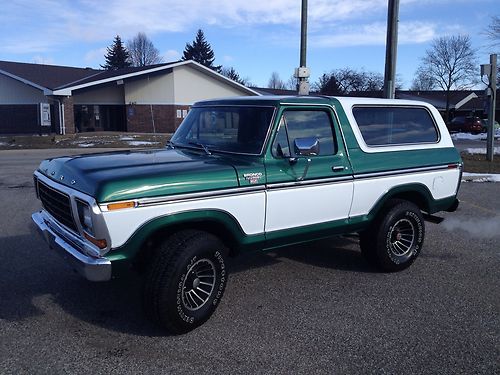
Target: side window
383 126
305 124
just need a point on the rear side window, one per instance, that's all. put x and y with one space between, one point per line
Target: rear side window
382 126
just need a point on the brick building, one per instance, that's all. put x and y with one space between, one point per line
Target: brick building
37 98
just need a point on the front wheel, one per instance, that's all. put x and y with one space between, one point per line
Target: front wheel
396 237
186 280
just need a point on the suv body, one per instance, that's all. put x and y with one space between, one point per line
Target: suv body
244 174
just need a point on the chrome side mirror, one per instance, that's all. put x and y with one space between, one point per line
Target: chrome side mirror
306 146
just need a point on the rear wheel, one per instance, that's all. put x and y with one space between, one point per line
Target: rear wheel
185 281
395 239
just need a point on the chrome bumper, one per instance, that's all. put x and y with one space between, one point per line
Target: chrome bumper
93 269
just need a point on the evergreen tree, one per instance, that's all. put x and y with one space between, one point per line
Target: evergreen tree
117 56
231 73
201 52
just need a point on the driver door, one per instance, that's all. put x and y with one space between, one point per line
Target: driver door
309 179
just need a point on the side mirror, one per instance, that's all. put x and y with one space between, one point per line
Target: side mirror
306 146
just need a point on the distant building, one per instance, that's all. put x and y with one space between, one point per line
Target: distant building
37 98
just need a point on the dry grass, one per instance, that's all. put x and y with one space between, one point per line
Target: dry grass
478 163
84 140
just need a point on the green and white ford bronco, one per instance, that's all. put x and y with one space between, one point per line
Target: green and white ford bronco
252 173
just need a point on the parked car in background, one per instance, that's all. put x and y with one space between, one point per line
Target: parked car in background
467 124
484 123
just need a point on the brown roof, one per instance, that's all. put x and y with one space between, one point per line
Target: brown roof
57 77
103 74
48 76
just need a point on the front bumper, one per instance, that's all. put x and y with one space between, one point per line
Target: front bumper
93 269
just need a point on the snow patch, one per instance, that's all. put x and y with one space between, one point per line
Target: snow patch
141 143
481 150
477 137
86 144
127 138
480 177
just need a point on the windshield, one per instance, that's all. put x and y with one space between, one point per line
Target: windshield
232 129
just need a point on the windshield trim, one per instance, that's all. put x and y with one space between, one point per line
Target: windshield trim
266 138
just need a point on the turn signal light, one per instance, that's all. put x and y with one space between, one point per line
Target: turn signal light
101 244
121 205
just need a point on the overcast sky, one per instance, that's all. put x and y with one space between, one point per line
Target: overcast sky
256 37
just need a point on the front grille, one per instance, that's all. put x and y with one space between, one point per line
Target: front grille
57 204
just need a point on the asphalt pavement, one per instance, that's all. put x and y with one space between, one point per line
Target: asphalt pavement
317 308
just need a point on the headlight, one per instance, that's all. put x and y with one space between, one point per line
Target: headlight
85 217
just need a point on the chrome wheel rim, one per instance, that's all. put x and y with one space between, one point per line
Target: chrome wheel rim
198 284
402 237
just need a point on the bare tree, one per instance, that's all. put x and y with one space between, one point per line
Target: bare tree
346 81
451 63
292 83
423 81
275 82
142 51
493 33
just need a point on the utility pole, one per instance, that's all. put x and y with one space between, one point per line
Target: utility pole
490 70
302 72
391 48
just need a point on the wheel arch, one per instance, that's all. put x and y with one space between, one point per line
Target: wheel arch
415 193
219 223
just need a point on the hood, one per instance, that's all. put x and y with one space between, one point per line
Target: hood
123 175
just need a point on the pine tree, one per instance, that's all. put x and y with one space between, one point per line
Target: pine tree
201 52
231 73
117 56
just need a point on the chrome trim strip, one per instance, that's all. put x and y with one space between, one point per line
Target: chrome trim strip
402 171
93 269
324 181
196 196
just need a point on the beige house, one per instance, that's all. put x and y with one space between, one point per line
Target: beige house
140 99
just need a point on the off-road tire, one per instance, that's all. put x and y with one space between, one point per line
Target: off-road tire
185 280
396 237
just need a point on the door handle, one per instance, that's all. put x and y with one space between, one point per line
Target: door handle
338 168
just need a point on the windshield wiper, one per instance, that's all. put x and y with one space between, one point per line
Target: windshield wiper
205 148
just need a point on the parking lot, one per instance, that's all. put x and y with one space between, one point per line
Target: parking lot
317 308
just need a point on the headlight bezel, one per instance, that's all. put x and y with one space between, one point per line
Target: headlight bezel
84 214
